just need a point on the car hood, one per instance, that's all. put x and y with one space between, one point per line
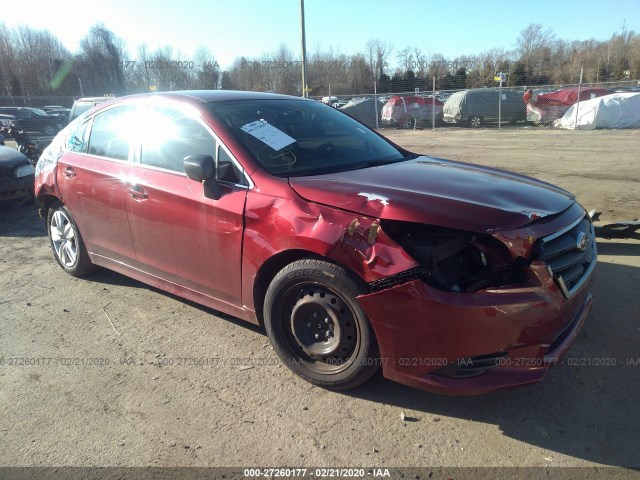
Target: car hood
11 158
438 192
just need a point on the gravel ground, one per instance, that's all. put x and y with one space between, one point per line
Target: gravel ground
114 373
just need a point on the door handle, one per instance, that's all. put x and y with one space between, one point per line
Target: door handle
69 172
137 192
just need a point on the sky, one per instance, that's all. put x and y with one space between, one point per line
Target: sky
231 28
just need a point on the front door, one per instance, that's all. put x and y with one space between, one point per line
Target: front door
179 234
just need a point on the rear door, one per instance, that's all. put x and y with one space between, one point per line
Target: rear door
516 109
487 105
92 179
179 234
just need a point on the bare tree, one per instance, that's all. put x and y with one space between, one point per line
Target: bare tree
207 70
101 61
9 81
34 62
405 58
534 46
378 52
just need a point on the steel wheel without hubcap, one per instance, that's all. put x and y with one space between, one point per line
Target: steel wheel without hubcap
317 327
321 327
63 238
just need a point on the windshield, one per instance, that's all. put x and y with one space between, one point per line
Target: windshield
301 137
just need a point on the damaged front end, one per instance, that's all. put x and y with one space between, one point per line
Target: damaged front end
452 260
479 312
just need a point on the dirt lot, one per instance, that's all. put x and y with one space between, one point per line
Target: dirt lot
154 405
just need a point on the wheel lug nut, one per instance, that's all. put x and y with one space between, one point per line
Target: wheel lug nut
327 333
309 324
326 320
317 335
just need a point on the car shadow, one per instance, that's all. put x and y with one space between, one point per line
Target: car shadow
583 408
109 277
629 248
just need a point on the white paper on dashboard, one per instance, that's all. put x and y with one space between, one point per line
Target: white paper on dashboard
268 134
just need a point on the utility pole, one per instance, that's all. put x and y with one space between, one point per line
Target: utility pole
304 51
577 104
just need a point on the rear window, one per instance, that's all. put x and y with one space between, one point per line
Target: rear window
80 108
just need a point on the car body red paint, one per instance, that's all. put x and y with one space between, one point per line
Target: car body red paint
157 225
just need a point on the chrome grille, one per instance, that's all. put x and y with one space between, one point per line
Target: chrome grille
570 255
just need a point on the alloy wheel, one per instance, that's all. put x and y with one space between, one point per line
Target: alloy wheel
63 238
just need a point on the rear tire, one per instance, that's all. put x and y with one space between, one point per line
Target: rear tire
317 327
409 123
475 122
66 243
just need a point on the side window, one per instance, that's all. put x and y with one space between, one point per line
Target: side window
170 135
230 173
112 133
78 138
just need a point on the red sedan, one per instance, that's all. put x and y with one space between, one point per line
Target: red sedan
354 253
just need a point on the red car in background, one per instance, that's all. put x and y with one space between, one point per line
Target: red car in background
547 107
411 111
354 253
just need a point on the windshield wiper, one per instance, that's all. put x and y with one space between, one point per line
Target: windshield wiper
377 163
383 161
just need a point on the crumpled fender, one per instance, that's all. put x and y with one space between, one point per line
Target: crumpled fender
274 225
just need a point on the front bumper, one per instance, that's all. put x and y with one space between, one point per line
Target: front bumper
451 119
428 338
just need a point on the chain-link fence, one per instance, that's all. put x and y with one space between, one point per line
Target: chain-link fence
378 106
40 101
495 106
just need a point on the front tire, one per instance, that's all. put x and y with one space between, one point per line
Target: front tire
317 327
66 243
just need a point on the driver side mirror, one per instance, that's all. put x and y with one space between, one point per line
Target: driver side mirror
202 168
199 167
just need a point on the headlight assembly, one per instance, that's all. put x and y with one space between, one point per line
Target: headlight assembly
24 171
455 260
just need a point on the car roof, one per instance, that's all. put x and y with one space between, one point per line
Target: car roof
209 96
195 97
22 108
95 99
